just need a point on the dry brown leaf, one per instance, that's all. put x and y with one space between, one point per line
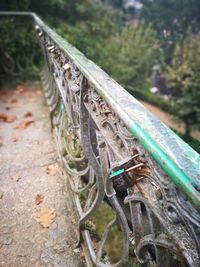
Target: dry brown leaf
45 216
2 116
18 104
38 92
16 138
13 100
28 114
7 118
1 141
39 199
15 177
23 125
11 118
19 89
14 103
1 194
52 169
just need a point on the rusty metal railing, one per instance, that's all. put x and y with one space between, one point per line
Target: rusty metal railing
115 150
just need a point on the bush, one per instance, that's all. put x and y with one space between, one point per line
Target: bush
129 55
20 52
184 80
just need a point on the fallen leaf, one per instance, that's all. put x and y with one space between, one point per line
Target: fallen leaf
23 125
52 169
19 89
13 100
18 104
39 199
16 138
15 177
38 92
11 118
28 114
45 216
13 103
1 143
7 118
1 194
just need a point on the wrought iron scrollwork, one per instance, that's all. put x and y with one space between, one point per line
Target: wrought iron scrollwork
105 161
94 142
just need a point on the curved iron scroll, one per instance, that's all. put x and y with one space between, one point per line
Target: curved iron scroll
113 149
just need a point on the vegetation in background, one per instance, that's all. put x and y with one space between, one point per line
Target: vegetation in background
20 53
129 55
126 52
171 19
184 79
90 29
176 23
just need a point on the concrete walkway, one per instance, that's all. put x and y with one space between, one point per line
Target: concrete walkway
37 218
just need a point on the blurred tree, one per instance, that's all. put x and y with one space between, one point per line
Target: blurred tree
116 3
85 23
171 19
19 51
89 29
14 5
184 78
129 56
97 29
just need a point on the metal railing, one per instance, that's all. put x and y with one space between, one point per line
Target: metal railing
114 149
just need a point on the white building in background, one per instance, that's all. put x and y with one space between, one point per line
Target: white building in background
133 8
136 4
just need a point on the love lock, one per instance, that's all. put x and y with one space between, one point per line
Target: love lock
122 176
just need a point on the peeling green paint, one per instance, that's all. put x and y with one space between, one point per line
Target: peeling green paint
117 173
62 107
175 173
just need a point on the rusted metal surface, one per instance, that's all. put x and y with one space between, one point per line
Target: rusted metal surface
114 149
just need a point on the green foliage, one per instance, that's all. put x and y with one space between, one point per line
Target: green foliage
171 19
129 55
184 79
83 22
126 52
93 25
20 54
